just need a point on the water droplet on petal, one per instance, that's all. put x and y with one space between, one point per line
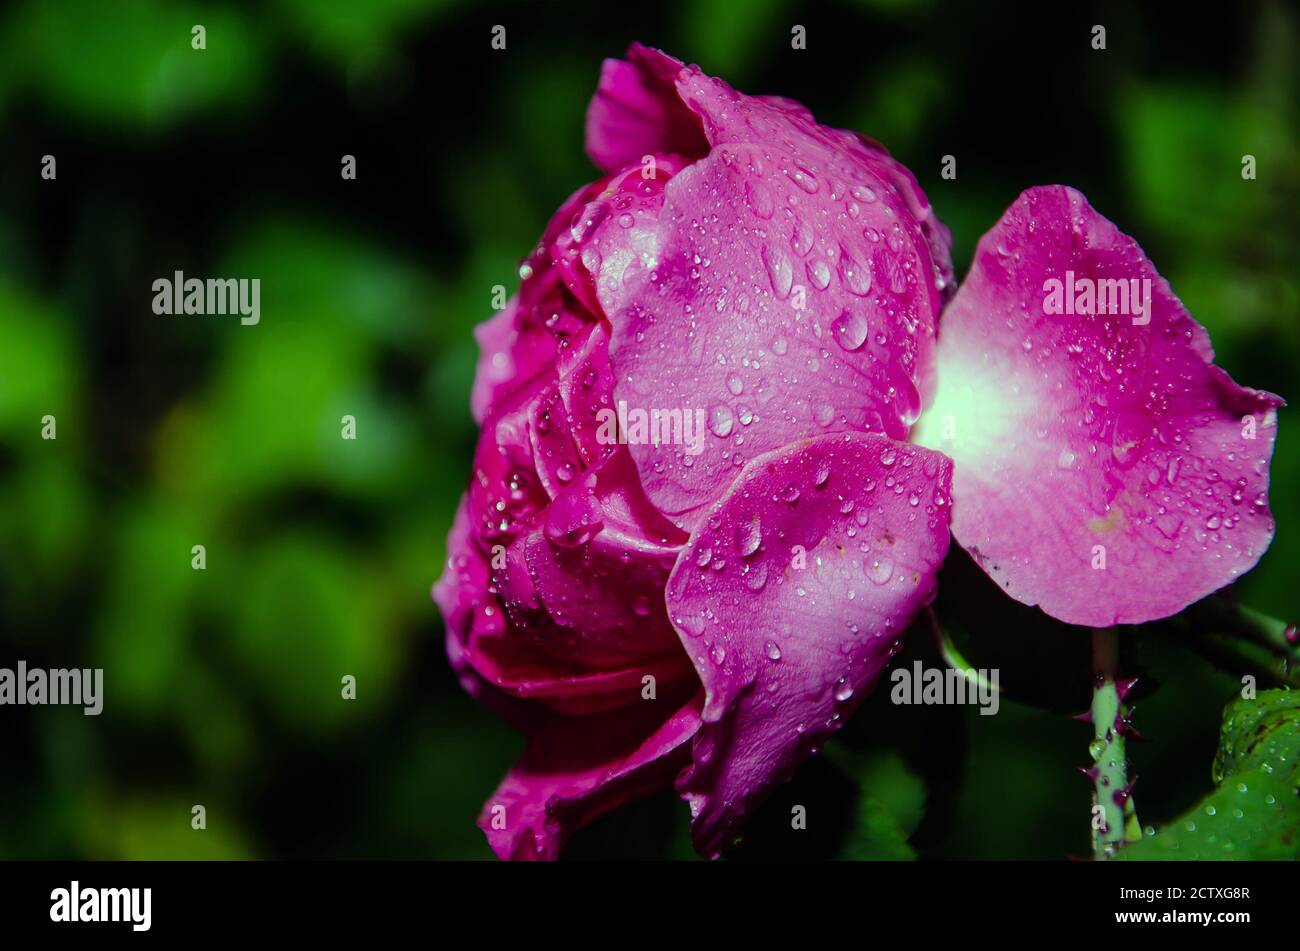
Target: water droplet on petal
879 570
779 270
819 273
748 535
850 330
803 178
759 199
721 421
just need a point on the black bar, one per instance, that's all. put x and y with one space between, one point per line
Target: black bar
484 901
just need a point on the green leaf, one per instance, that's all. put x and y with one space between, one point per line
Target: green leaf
1255 812
884 775
1262 733
1252 816
891 803
876 835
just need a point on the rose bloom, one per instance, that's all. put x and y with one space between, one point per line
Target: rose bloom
654 609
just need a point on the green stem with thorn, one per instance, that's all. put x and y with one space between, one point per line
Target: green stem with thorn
954 659
1109 772
1239 640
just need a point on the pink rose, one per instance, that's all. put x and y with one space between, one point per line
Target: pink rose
706 502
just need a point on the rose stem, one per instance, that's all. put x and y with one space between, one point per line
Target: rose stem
1112 789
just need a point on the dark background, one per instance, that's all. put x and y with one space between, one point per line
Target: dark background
222 686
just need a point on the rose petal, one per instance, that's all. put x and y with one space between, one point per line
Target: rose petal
601 576
788 236
786 653
587 388
497 662
506 490
772 316
576 769
469 611
555 454
508 355
636 111
774 121
521 671
544 298
1079 438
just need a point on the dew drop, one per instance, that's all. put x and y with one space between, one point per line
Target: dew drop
879 570
802 177
721 421
779 270
748 535
819 273
759 199
850 329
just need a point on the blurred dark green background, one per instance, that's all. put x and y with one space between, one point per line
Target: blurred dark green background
222 686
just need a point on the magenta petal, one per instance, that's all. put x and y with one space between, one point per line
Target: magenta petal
581 693
496 366
506 491
555 454
601 576
470 611
1106 470
587 388
832 155
636 111
576 769
776 299
786 652
508 354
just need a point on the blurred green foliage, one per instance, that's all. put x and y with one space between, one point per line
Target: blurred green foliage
223 685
